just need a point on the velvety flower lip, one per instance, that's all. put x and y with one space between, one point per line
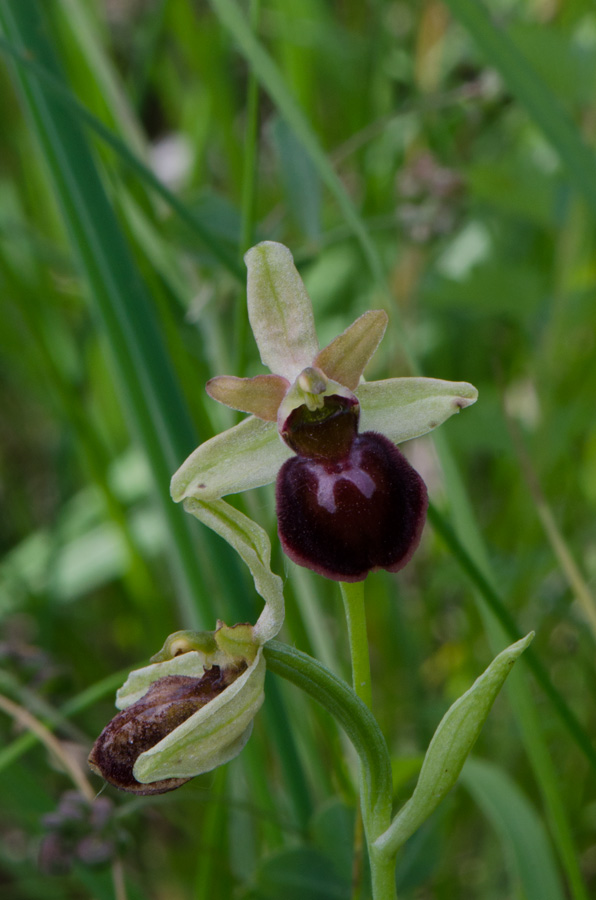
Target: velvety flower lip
321 431
365 513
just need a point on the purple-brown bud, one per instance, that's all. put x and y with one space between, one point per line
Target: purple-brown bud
168 703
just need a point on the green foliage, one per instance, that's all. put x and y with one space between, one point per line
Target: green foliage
439 166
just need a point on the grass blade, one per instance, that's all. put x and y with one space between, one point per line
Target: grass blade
529 89
519 827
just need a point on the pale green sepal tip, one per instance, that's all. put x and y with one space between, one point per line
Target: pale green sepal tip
210 737
252 544
279 310
452 742
406 408
246 456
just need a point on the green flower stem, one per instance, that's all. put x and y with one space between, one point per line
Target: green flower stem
355 718
382 865
353 597
363 731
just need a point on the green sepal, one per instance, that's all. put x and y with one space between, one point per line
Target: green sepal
246 456
252 544
279 310
406 408
347 356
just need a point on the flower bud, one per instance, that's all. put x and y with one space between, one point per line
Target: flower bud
184 715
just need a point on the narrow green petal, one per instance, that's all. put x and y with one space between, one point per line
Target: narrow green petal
260 395
246 456
405 408
280 310
346 357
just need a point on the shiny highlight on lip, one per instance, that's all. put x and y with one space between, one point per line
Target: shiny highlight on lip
344 518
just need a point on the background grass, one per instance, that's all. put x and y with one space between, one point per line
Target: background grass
432 159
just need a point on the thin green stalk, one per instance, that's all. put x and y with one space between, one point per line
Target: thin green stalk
382 865
353 597
353 715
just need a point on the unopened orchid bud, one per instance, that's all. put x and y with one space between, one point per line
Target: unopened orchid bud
183 715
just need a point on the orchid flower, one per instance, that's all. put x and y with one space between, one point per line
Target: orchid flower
348 501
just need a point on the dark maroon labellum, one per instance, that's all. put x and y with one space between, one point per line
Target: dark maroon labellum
344 517
168 703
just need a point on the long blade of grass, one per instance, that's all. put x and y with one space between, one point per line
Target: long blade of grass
519 827
145 376
274 84
469 538
529 89
154 404
60 94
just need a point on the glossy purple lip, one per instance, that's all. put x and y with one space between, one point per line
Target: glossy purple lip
345 517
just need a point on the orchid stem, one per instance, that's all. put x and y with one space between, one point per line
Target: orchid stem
353 597
382 866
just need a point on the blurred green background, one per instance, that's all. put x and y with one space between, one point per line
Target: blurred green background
433 159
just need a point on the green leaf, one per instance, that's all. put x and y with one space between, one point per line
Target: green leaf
454 738
519 827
